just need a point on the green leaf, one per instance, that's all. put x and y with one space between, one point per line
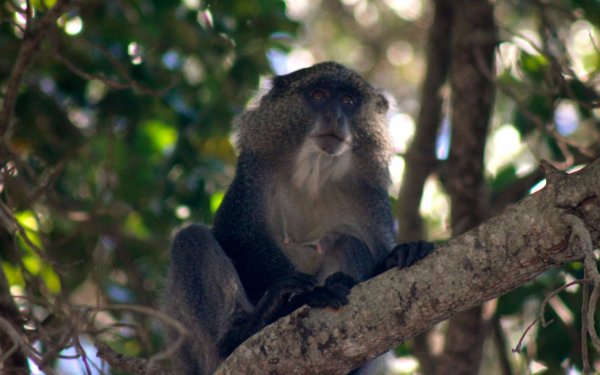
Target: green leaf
215 201
533 66
160 135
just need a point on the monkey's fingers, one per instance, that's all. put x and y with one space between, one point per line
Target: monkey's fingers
407 254
297 283
334 296
340 278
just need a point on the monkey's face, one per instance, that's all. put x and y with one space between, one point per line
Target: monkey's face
323 122
333 107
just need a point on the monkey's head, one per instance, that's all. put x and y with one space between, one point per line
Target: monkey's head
325 117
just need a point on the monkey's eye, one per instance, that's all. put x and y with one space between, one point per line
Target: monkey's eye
347 100
318 96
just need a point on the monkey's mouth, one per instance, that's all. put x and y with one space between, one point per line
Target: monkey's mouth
331 144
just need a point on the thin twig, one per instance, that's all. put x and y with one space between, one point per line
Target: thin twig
119 67
554 293
181 330
90 77
517 349
584 329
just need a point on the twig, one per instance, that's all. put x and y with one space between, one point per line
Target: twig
90 77
12 225
126 363
19 342
181 330
517 349
119 67
554 293
584 328
541 319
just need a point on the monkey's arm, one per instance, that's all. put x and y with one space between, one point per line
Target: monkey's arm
240 227
401 255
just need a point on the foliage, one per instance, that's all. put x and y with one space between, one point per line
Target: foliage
120 135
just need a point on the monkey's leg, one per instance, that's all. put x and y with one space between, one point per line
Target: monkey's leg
204 293
273 305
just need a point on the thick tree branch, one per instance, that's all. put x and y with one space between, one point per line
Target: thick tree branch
503 253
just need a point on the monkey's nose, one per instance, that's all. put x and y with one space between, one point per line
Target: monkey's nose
330 144
332 118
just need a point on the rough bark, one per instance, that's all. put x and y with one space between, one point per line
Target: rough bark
472 56
486 262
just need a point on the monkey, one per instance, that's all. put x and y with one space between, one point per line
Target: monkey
306 217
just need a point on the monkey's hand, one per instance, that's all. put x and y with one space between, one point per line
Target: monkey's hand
333 294
406 254
268 308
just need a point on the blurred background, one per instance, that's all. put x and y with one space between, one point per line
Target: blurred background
116 130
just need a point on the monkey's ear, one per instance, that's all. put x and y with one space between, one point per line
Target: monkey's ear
264 89
382 103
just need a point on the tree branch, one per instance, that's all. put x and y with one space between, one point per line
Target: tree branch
11 356
503 253
127 363
36 30
420 157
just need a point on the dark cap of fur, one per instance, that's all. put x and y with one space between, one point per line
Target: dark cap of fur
326 73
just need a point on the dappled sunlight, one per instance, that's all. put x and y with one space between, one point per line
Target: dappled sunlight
409 10
400 53
402 130
73 25
396 172
585 47
566 117
435 209
366 13
135 52
504 144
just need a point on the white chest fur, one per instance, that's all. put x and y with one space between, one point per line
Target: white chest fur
314 168
306 213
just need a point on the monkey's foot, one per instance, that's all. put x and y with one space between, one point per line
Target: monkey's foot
272 305
333 294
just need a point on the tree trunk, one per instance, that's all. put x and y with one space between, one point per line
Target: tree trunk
472 61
